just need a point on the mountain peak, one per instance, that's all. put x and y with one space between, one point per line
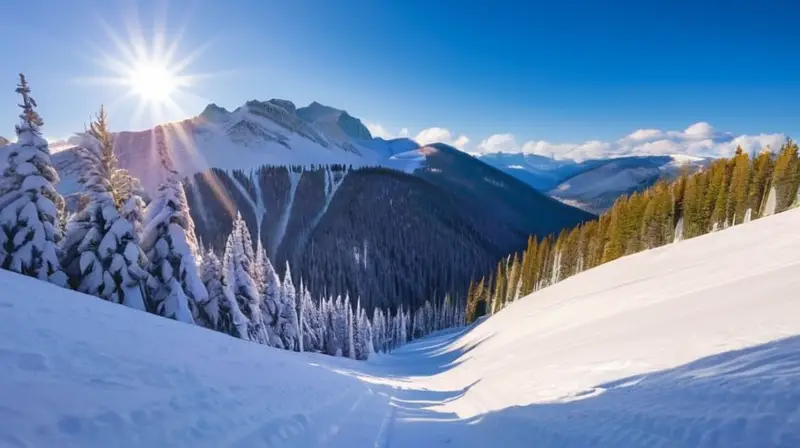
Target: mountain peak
4 141
286 104
212 112
330 118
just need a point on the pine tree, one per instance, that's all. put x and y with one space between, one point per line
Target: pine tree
359 333
340 326
333 343
513 287
101 252
740 185
613 249
239 277
301 318
270 291
288 318
350 351
786 176
30 207
220 312
499 294
762 172
169 241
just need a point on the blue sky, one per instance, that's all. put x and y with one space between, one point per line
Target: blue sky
566 72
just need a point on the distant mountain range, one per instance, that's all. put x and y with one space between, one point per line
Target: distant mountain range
592 185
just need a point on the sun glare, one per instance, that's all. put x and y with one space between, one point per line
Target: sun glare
149 71
152 82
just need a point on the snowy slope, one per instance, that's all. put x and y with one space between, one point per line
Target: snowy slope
695 344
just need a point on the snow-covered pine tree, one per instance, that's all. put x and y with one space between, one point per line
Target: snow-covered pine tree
358 335
403 326
309 322
238 325
239 279
168 239
30 207
368 342
363 339
301 317
331 317
101 252
270 296
319 326
208 313
350 329
377 329
288 318
339 318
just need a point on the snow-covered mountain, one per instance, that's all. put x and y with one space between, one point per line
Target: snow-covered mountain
3 141
594 184
695 344
540 172
258 133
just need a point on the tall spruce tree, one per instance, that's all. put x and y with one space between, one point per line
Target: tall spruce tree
169 241
101 252
30 207
288 319
240 278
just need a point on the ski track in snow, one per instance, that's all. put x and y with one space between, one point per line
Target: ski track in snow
280 231
687 345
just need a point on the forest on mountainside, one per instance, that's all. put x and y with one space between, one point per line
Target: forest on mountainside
728 192
391 238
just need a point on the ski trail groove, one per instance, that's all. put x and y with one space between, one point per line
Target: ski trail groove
246 195
331 185
280 231
384 437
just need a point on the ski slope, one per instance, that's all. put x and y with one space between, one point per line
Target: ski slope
696 344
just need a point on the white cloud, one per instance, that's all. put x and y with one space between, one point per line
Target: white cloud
499 143
378 130
423 137
441 135
699 130
699 139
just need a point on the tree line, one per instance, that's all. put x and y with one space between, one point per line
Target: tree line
146 256
728 192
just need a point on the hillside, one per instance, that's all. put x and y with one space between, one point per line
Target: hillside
693 344
385 236
426 233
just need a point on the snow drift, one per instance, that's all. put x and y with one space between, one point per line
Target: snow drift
692 344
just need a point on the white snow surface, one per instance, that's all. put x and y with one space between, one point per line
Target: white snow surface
695 344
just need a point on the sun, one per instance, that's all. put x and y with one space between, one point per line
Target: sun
150 71
152 81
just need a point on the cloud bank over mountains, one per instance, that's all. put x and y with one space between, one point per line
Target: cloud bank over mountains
424 137
699 139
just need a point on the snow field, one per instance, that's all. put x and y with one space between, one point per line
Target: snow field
695 344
